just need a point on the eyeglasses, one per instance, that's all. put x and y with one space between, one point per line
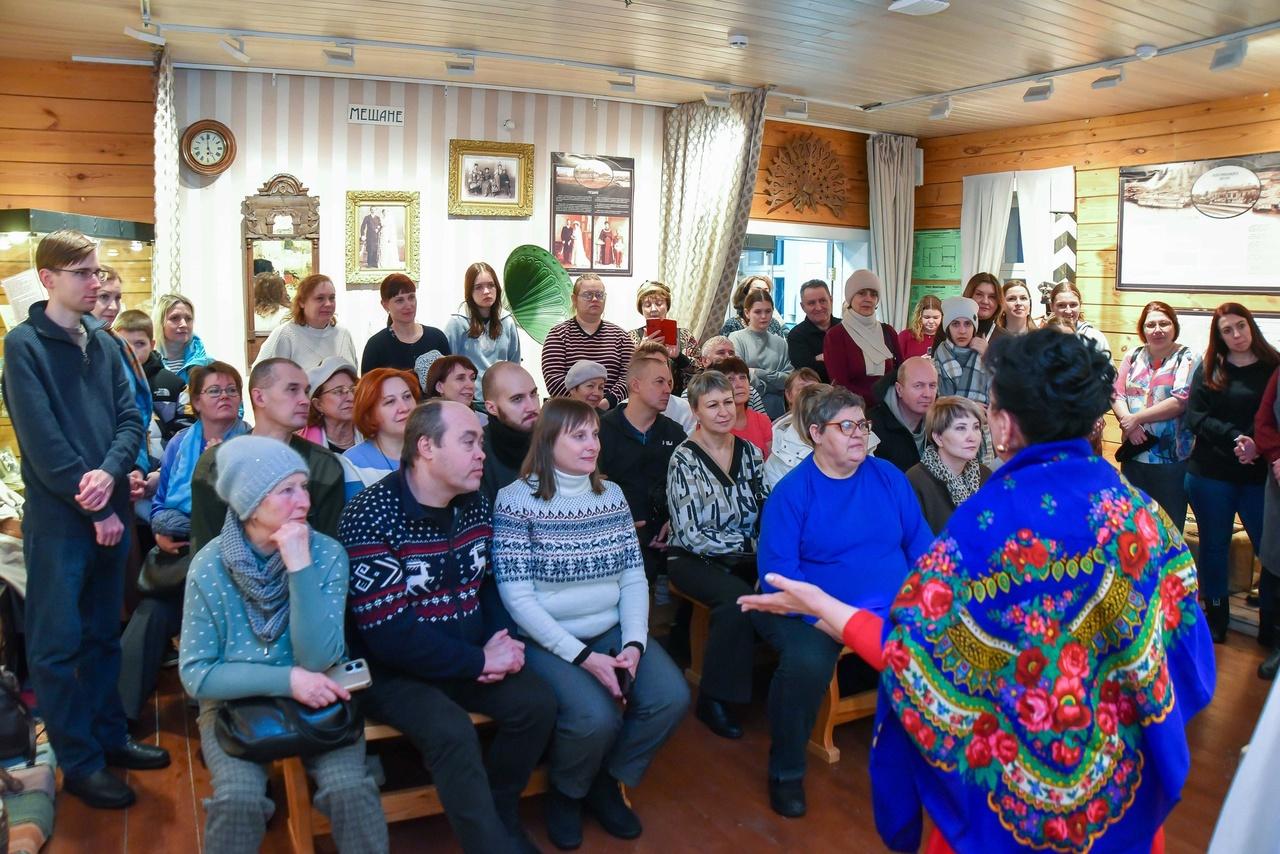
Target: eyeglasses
219 391
340 390
847 426
82 273
592 296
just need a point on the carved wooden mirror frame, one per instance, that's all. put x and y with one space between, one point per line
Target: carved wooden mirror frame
281 210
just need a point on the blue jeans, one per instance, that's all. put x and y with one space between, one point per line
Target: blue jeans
594 731
75 592
1216 503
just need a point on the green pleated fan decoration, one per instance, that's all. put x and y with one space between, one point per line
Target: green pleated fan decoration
538 290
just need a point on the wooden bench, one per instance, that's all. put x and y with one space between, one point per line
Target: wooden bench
835 709
306 823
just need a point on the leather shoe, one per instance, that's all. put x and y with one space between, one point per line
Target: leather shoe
564 819
610 809
101 790
787 797
1270 666
718 717
1218 612
137 756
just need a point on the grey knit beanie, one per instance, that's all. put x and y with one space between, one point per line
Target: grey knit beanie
249 467
584 370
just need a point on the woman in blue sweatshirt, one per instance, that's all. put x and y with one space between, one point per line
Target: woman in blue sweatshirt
850 524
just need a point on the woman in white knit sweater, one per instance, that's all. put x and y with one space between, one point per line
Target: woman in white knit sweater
569 570
312 333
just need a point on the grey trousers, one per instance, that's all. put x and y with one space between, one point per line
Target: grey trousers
236 816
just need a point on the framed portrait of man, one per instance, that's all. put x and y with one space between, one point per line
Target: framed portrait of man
490 179
382 235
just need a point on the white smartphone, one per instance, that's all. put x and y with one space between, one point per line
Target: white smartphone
352 675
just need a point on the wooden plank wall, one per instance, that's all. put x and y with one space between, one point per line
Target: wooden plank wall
1097 148
851 151
78 138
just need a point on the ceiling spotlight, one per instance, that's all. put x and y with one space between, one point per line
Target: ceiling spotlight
625 86
344 56
919 7
463 66
143 36
1110 81
1038 92
716 98
1145 51
941 109
797 109
235 47
1229 56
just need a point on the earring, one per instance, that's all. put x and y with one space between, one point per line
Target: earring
1001 448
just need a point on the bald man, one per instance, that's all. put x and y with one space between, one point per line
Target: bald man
511 399
899 419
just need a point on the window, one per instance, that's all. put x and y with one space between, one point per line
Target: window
797 259
1012 266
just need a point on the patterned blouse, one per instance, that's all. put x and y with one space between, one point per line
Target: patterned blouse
1143 385
713 512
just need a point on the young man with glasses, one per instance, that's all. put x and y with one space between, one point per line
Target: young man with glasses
79 432
278 392
587 335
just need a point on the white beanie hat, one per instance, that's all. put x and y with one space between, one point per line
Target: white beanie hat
959 308
861 280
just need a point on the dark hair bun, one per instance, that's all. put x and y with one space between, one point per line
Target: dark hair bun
1057 385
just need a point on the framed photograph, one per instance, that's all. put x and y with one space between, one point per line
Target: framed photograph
382 235
591 199
1201 225
490 179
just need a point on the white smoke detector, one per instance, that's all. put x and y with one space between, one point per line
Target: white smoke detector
919 7
738 40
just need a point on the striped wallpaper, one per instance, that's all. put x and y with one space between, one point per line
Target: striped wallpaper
297 124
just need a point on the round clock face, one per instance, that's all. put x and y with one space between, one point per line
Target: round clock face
208 147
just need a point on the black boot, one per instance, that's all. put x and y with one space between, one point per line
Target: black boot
610 809
564 819
1218 612
1268 668
718 717
787 797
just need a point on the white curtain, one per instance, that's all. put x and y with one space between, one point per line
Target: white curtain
984 222
891 170
165 253
709 163
1041 193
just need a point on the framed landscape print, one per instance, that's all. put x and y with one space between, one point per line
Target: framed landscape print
1201 225
490 179
382 235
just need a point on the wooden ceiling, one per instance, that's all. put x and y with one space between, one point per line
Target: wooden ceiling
844 51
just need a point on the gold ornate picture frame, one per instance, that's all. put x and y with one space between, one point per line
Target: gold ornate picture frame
382 235
490 179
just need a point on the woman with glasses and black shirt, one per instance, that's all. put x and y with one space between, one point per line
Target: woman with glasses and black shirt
850 524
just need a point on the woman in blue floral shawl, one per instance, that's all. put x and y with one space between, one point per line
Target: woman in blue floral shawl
1041 663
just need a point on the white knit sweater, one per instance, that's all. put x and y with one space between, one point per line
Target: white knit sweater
309 346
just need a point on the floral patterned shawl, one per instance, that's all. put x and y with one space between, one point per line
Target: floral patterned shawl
1042 662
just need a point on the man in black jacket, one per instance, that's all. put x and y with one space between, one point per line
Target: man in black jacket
511 399
79 432
899 420
636 444
804 341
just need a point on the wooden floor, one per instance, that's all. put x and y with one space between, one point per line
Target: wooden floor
701 791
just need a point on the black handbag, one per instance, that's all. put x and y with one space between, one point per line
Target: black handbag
264 729
162 573
17 724
1127 450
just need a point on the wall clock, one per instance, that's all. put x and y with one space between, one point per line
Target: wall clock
208 147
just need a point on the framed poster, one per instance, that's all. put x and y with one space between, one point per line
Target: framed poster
1201 225
591 197
490 179
382 235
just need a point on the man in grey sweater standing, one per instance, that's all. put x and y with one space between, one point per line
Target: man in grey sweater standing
79 431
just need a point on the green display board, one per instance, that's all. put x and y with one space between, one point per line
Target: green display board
937 256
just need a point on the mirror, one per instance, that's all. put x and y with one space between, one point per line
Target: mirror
281 230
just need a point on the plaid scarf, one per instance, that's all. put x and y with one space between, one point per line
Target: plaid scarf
961 372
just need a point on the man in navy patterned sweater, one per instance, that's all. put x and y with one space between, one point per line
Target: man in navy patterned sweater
422 608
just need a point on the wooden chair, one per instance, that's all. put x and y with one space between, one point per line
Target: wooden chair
835 709
400 805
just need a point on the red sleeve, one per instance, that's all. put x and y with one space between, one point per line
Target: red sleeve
862 635
843 358
1266 433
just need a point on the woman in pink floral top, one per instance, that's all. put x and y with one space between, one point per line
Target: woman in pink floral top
1151 396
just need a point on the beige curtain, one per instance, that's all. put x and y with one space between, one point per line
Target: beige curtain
710 159
165 253
891 174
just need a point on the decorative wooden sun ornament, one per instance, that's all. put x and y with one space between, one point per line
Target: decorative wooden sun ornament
807 173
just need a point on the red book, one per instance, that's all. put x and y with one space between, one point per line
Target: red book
665 328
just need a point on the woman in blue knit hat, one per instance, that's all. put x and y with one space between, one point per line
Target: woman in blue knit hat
263 617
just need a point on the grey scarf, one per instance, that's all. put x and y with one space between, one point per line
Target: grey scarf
960 487
264 587
895 406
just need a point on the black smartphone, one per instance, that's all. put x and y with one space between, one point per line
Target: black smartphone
624 677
